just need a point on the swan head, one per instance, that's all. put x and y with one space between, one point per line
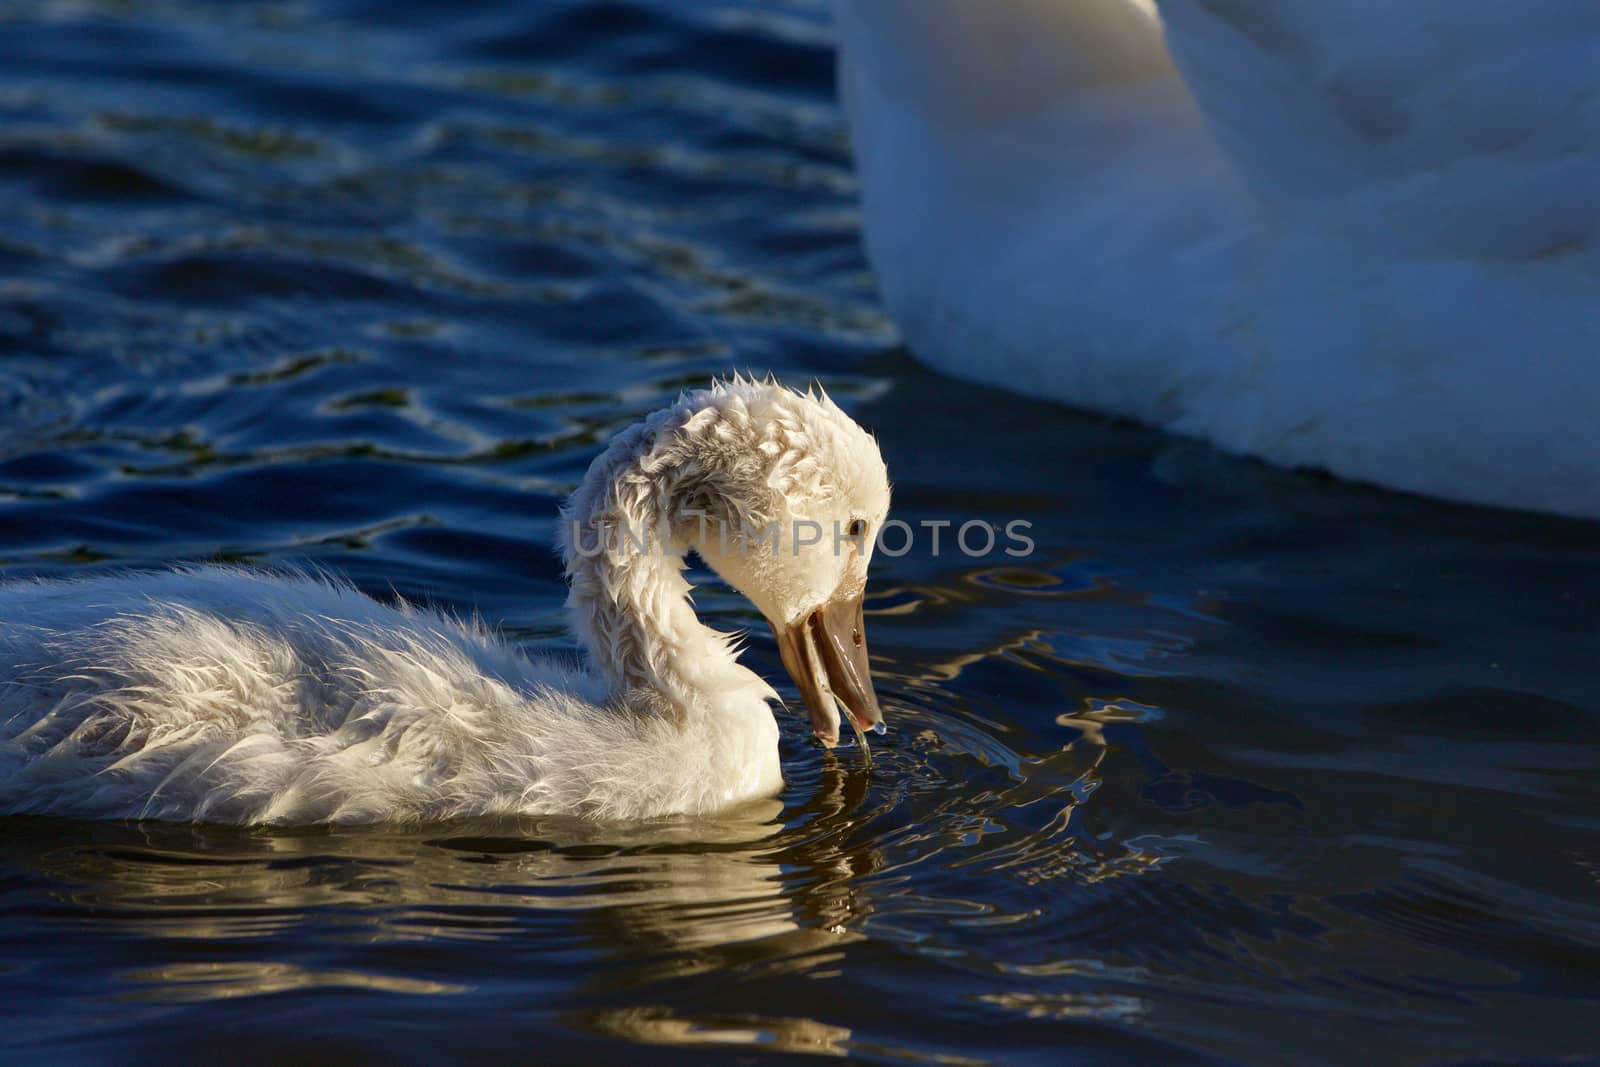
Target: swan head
792 496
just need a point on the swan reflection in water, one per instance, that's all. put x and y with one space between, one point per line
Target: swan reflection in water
630 904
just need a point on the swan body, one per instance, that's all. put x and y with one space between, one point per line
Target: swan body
225 695
1352 236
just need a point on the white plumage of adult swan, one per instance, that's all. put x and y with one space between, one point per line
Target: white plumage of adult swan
228 696
1355 235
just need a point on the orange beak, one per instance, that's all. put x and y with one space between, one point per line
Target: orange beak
825 652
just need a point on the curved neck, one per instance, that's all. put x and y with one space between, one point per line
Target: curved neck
629 602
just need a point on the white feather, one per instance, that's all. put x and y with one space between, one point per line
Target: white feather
232 696
1353 235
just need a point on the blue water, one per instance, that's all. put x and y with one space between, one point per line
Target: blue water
1238 766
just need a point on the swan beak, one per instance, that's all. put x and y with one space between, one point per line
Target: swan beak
825 652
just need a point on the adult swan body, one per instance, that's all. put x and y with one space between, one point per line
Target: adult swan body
1355 235
224 695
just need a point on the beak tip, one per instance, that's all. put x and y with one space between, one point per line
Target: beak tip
868 724
824 653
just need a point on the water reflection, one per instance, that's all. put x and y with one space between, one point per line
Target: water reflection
188 982
658 1025
684 884
677 892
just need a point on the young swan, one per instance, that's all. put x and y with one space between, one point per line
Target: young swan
222 695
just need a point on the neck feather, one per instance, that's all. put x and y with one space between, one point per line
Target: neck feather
629 601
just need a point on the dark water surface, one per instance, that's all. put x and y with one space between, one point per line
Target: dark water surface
1238 766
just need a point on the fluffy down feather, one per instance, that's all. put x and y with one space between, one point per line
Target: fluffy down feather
227 695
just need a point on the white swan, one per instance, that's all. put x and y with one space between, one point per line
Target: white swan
1346 234
227 696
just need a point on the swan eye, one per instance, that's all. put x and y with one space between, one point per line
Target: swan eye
857 527
855 637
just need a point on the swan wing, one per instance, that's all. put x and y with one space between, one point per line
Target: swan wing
1352 235
1463 129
